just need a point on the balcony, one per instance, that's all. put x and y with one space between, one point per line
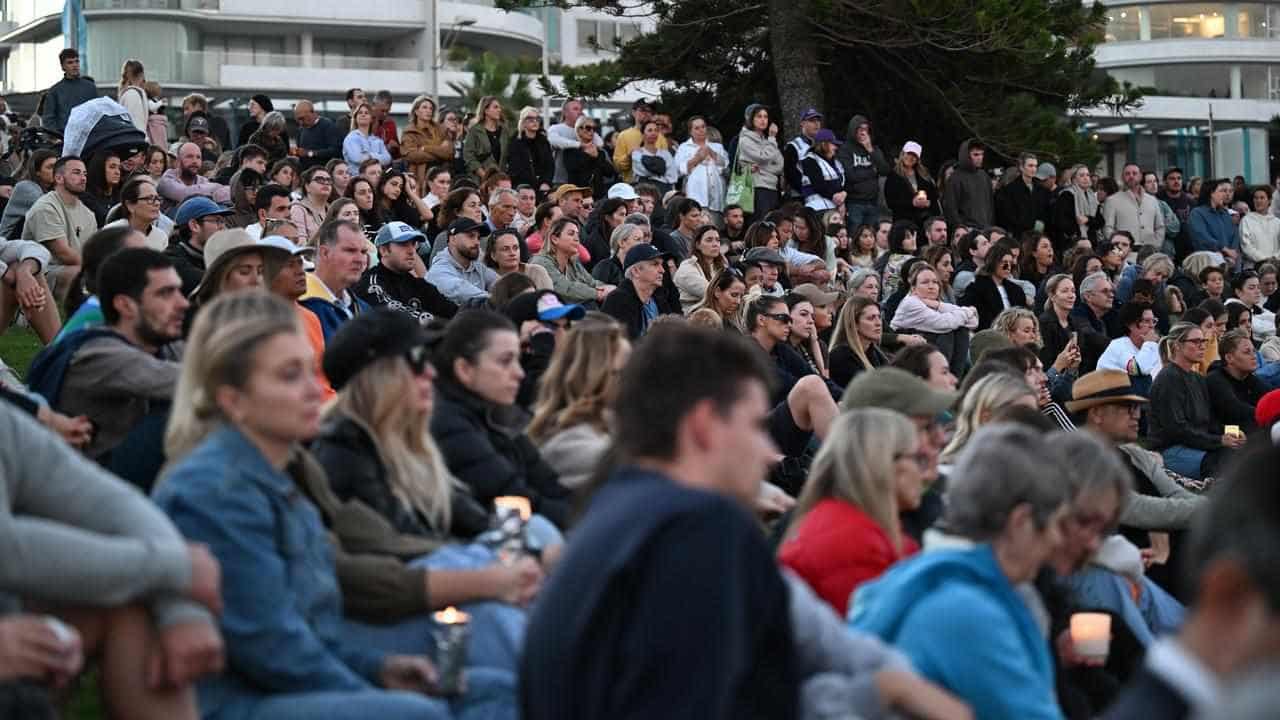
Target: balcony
297 73
206 5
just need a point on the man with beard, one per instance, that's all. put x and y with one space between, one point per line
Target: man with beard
60 222
122 375
458 273
390 282
178 184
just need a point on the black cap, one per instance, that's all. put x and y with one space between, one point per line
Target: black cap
642 252
368 337
465 225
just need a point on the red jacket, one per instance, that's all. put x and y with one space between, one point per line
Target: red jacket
837 547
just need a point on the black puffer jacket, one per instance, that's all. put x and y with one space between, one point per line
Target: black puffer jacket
529 160
491 458
349 456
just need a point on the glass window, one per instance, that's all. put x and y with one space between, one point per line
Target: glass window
628 32
1122 24
1187 20
1251 20
608 33
586 34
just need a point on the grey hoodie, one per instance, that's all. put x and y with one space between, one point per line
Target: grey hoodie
968 199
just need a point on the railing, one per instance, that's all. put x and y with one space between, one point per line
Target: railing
212 5
201 66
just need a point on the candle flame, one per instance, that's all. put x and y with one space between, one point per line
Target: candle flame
515 502
451 616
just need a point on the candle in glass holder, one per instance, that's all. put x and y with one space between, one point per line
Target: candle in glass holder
451 636
1091 635
514 503
1233 431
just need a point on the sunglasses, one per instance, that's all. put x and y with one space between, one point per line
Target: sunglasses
418 358
783 318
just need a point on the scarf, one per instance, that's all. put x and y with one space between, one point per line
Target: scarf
1086 205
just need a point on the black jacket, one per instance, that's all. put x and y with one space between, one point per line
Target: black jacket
189 263
968 199
491 458
899 196
1234 400
862 171
624 305
1093 334
1149 696
350 459
404 292
609 271
983 294
1016 208
529 161
323 139
583 170
1181 411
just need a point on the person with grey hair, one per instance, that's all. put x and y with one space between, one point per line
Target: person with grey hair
621 240
638 302
1156 267
503 204
955 611
1093 320
271 136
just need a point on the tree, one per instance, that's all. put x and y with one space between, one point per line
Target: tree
1010 72
496 76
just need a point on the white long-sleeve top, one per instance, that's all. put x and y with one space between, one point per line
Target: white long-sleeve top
914 314
1260 236
704 182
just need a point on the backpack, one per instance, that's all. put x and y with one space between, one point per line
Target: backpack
49 368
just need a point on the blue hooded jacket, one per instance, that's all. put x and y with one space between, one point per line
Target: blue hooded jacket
963 625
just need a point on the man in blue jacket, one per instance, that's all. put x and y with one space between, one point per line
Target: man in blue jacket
667 602
339 264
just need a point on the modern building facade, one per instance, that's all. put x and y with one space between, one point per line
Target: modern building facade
230 49
1196 59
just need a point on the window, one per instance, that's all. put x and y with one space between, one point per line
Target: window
1123 24
604 35
586 34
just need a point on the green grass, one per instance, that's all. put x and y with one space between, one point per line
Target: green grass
17 347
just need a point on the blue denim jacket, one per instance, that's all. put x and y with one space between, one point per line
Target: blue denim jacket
282 607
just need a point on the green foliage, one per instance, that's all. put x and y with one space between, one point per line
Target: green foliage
497 76
1011 72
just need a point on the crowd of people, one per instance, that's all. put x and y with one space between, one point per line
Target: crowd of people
680 424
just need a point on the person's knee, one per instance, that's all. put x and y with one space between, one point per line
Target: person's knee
808 390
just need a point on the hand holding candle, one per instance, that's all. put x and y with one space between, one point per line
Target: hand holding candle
452 634
1091 634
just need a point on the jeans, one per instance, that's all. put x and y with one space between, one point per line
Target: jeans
356 705
862 214
1155 613
1184 460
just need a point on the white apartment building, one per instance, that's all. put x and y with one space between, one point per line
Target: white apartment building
1200 57
231 49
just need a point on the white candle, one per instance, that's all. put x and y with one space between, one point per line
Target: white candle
515 502
1091 634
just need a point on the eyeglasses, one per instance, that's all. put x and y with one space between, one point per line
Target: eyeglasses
783 318
214 220
1196 341
153 199
418 357
323 180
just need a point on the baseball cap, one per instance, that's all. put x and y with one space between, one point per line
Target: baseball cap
911 146
825 135
764 254
194 208
815 295
641 253
623 191
398 232
542 305
198 122
280 242
811 114
1045 171
463 225
896 389
371 336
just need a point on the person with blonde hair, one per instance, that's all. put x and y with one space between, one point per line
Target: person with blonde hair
943 324
528 158
724 297
245 400
1020 325
132 92
362 142
846 529
855 340
484 149
423 142
570 422
980 401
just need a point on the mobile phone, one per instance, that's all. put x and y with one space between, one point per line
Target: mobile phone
1073 337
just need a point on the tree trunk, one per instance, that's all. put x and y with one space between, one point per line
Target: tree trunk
795 62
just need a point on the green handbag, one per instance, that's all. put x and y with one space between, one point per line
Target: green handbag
742 187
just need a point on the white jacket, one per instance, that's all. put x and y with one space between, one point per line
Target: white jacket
691 283
1260 236
914 314
704 182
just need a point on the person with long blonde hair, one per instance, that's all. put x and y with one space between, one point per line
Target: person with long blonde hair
571 417
132 94
855 340
979 402
846 529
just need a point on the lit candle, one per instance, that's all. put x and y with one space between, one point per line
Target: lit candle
452 633
515 503
1091 634
1233 431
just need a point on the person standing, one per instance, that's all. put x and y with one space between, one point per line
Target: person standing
424 143
259 106
1015 205
529 160
384 127
758 149
67 93
702 163
864 165
1135 211
694 451
795 150
912 195
319 140
485 146
632 138
968 199
131 93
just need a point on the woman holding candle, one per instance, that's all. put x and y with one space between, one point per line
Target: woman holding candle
846 529
246 398
956 611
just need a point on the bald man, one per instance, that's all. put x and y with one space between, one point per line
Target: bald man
184 181
319 139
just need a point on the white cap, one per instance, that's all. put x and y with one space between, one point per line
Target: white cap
912 146
623 191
